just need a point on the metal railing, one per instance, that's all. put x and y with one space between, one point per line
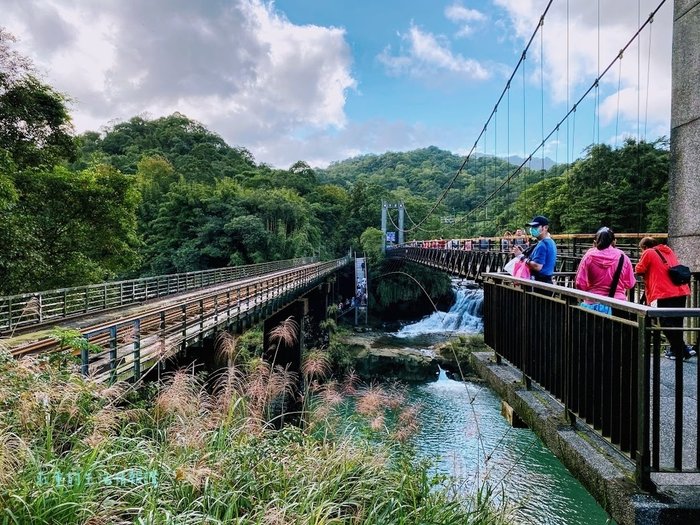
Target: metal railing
569 245
606 370
469 264
17 311
131 345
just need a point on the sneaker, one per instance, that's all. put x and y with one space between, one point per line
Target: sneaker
669 355
689 352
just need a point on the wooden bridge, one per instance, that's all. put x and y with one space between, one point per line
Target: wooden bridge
128 326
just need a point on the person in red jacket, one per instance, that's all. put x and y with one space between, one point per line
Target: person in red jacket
661 292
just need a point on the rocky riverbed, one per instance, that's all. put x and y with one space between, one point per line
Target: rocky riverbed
381 356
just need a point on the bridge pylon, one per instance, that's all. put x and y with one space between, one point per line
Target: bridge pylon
385 207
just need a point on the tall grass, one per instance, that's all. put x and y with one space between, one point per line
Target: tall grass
76 452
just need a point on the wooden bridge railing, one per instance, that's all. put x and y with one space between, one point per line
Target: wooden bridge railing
35 308
605 369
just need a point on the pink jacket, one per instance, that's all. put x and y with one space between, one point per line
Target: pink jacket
597 268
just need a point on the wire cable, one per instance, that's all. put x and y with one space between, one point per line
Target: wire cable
595 83
493 111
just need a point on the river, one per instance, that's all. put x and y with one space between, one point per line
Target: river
463 433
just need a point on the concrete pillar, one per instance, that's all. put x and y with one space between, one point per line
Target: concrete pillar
684 183
401 211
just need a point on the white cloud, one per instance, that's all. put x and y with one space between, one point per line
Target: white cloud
319 148
459 14
238 66
568 73
428 57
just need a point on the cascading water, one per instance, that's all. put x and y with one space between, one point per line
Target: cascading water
465 316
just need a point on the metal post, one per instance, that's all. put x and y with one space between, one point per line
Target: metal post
401 208
184 323
384 226
85 359
643 465
113 354
137 349
201 318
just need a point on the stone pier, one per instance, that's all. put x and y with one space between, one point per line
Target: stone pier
684 184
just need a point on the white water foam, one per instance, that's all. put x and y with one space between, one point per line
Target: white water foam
465 316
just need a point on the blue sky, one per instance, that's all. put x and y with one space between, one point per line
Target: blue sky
323 80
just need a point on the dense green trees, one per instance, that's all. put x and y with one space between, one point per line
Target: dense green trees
67 228
202 226
58 227
167 195
625 189
35 128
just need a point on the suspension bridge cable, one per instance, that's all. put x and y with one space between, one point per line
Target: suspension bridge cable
391 219
417 227
493 111
542 92
595 83
617 115
568 91
640 177
646 104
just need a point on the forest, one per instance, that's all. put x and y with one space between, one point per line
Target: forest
152 196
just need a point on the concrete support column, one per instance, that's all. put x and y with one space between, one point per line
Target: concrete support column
684 183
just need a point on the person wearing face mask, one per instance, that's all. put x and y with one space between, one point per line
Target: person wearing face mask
543 258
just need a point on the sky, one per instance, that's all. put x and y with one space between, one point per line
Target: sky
324 80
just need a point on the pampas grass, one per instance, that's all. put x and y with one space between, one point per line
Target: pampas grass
197 452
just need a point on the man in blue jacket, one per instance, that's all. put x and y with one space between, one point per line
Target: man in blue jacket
543 258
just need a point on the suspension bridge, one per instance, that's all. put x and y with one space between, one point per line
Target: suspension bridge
600 377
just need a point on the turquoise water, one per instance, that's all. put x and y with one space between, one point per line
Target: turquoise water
473 443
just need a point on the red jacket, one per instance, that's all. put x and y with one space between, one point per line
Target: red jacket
657 283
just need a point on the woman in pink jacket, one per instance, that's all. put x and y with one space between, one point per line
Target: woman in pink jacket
598 266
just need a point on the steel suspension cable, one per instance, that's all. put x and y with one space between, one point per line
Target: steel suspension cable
493 111
595 83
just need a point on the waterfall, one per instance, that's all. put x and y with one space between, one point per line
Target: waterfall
465 316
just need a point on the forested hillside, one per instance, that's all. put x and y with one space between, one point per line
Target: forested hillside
168 195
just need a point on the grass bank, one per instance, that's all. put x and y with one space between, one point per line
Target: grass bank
73 451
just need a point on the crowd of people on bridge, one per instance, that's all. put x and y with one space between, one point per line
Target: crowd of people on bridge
604 270
607 271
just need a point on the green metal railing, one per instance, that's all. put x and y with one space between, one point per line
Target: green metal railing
35 308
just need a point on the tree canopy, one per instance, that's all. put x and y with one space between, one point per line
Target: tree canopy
148 196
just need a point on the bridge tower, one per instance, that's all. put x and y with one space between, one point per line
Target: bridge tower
385 207
684 186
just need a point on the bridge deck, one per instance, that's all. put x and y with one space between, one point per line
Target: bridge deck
135 337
